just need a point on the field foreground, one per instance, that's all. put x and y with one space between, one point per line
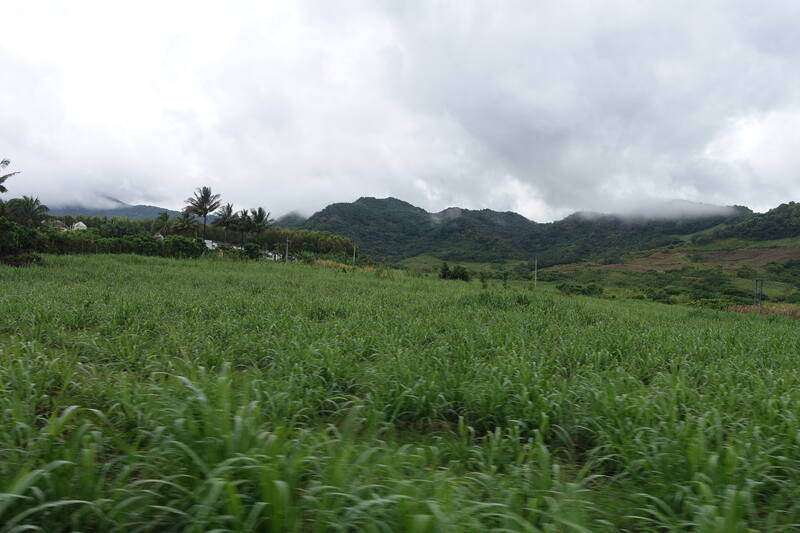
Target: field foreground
143 394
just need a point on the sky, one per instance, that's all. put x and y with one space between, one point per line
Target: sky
539 107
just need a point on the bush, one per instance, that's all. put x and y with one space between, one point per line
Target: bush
235 254
307 258
793 298
82 242
701 239
444 271
17 243
252 250
746 272
592 289
569 288
182 247
19 260
457 272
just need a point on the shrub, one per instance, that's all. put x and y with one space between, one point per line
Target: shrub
17 243
701 239
182 247
252 250
236 254
459 272
21 259
570 288
307 258
746 272
444 271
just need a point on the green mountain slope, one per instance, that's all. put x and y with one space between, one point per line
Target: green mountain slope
392 230
778 223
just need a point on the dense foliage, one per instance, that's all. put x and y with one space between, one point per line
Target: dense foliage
458 272
90 242
146 394
703 287
778 223
569 288
271 239
391 229
788 271
17 243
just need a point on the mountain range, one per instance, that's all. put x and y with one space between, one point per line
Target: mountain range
392 230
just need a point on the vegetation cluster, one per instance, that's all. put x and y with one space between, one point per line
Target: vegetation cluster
704 287
26 228
458 272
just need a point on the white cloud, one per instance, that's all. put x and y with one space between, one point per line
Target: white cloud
761 154
542 108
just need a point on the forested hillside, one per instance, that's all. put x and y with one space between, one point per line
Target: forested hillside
778 223
390 229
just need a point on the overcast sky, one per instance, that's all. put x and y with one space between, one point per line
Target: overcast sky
539 107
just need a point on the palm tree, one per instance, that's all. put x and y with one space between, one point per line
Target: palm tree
260 220
243 223
185 223
3 164
162 223
202 203
226 218
26 211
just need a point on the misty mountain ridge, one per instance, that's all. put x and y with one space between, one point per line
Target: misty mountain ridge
108 206
393 230
291 220
666 210
663 209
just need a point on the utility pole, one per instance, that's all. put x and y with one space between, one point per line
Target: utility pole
758 294
286 255
535 271
354 254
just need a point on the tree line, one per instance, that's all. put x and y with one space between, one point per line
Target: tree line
26 227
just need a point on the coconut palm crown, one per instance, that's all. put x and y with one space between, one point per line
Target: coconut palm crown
202 203
3 164
226 218
27 211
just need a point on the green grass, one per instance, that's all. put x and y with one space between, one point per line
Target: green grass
144 394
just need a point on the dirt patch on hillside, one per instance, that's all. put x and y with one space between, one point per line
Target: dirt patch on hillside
727 259
792 311
754 256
